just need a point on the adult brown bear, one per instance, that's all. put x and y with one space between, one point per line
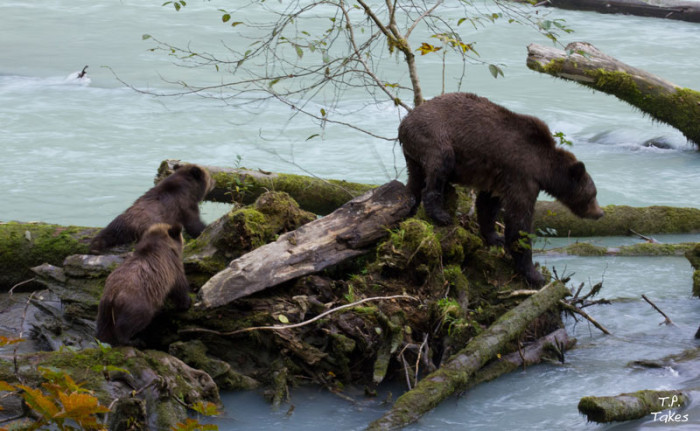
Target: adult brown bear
509 158
174 200
137 289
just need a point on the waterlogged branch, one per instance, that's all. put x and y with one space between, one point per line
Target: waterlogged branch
455 374
630 406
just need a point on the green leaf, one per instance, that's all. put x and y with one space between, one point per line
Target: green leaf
177 6
274 81
282 318
225 17
323 112
145 36
235 23
312 136
495 70
300 52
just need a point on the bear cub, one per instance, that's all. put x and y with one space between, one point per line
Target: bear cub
507 157
174 200
136 290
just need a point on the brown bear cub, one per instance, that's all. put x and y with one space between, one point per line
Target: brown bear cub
508 157
137 289
174 200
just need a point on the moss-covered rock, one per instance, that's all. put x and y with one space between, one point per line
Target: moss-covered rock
693 256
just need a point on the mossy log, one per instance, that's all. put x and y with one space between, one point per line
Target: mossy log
583 63
670 9
24 245
456 372
618 220
242 185
345 233
641 249
693 256
626 407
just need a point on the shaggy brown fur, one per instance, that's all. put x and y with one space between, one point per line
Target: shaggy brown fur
137 289
173 200
465 139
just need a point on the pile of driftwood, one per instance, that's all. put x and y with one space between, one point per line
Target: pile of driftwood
335 291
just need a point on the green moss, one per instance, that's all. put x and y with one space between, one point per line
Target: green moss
413 245
696 282
586 249
25 245
680 109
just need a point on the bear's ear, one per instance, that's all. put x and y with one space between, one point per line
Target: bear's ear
175 231
577 170
197 173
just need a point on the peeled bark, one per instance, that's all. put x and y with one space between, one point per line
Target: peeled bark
456 373
626 407
246 185
583 63
345 233
670 9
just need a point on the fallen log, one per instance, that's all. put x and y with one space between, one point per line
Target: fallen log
345 233
585 64
641 249
242 185
456 373
555 220
24 245
670 9
554 344
626 407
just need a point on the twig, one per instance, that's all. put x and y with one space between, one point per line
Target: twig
420 351
405 369
297 325
667 321
576 310
645 238
12 290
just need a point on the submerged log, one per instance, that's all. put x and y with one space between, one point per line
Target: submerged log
554 219
345 233
671 9
313 194
583 63
626 407
456 373
641 249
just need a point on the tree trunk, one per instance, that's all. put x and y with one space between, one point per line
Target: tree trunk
24 245
317 245
455 374
245 185
671 9
555 220
583 63
626 407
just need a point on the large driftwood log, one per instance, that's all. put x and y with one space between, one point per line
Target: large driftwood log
313 194
455 374
626 407
671 9
343 234
583 63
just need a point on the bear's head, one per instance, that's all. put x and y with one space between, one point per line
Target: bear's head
196 175
581 195
159 235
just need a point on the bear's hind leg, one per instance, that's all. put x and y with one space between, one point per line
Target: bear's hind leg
518 219
487 208
416 182
434 191
131 321
180 293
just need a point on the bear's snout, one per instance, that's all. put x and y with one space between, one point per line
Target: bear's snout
594 211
